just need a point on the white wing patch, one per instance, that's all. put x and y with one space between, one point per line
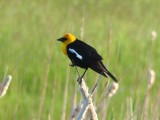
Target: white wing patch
77 55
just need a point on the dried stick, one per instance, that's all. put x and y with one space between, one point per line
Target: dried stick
87 103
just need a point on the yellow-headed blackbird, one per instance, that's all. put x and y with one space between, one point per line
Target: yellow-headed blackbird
83 55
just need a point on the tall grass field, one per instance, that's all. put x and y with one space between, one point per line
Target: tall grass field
44 86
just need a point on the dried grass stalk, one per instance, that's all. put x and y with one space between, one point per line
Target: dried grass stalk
151 78
4 85
65 95
76 110
87 103
112 89
153 35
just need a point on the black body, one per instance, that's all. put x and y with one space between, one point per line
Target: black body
90 58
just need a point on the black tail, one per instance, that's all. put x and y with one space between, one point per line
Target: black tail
101 69
110 74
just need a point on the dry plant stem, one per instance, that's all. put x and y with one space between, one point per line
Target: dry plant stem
75 109
144 112
145 105
155 112
104 108
153 37
87 103
109 40
82 29
95 91
82 113
53 96
95 86
4 85
65 95
104 105
92 112
103 89
45 84
131 109
129 114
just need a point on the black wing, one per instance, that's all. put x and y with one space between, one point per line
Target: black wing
86 52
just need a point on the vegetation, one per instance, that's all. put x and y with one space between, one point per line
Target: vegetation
120 31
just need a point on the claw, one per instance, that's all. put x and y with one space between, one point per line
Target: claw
79 80
72 65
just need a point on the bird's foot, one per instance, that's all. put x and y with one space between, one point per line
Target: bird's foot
79 80
72 65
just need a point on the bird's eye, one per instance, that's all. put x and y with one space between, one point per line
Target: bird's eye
64 39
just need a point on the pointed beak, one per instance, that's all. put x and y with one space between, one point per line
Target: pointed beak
62 39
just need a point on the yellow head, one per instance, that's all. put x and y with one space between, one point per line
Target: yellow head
66 39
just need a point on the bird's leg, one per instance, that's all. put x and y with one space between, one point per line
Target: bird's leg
84 72
72 65
80 78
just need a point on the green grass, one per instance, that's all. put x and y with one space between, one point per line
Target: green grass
27 29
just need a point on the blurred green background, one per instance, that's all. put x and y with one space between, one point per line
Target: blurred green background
119 30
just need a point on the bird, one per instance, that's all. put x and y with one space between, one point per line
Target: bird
83 55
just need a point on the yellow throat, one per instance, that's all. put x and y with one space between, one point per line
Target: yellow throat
70 38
